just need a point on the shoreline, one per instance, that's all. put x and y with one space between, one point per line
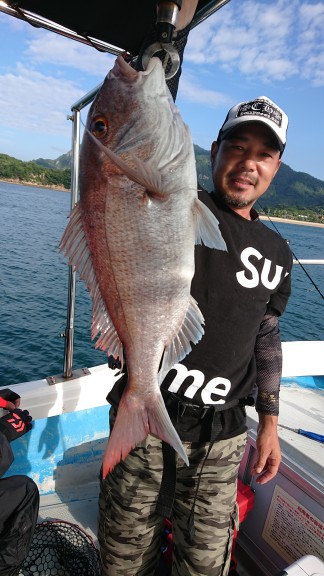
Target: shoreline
35 185
262 217
290 221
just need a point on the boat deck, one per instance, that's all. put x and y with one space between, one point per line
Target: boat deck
81 511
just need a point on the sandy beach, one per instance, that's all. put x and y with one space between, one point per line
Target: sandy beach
288 221
34 184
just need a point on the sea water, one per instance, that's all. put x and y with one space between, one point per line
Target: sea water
34 287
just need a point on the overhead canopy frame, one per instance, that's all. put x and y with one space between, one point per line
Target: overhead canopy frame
113 26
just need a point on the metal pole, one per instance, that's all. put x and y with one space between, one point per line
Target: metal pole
69 331
41 22
207 10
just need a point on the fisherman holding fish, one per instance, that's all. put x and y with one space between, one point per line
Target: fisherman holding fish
196 329
241 292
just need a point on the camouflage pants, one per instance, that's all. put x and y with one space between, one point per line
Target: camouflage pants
130 530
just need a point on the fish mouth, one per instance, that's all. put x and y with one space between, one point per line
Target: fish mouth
123 71
153 63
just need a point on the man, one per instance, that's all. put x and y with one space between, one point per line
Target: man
241 293
19 497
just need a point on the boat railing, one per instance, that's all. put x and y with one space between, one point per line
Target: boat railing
303 261
68 334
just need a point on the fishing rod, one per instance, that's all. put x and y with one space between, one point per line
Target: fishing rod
294 255
307 433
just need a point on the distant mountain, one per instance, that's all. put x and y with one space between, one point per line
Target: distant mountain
288 188
14 170
291 193
61 163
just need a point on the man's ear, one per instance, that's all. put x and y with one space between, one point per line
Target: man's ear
213 151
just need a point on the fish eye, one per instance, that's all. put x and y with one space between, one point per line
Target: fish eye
99 126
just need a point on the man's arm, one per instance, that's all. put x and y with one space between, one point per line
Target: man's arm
9 400
12 425
268 355
268 449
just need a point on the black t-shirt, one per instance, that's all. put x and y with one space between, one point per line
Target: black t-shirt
234 290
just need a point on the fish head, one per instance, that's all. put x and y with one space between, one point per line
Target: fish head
134 116
128 105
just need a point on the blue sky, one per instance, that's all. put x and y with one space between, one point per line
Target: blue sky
247 49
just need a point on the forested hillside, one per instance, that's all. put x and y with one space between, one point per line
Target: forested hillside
15 170
292 194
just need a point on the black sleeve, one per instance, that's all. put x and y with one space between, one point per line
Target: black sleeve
279 299
268 355
6 455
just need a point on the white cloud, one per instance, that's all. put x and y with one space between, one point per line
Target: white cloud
270 41
191 91
34 101
50 48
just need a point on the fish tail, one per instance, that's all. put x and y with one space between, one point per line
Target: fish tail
133 424
162 427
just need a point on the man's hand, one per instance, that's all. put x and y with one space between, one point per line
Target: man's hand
9 400
268 449
15 424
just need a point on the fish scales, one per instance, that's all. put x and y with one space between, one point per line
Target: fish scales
131 237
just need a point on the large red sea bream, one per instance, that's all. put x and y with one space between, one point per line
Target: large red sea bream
131 238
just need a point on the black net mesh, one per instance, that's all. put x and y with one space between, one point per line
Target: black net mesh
61 549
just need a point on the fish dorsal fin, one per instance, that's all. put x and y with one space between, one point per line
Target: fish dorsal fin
74 246
144 174
191 331
207 227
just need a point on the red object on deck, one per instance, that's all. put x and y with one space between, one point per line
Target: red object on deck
245 502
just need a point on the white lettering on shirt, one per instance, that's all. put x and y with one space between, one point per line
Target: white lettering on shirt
255 279
219 386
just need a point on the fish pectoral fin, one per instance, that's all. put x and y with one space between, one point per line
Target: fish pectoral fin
74 246
149 177
108 340
134 421
143 174
207 227
191 331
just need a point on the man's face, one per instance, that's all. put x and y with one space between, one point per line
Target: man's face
244 165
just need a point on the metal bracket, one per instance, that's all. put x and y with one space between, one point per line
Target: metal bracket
75 374
171 53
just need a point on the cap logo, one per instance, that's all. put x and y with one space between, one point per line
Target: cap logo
260 108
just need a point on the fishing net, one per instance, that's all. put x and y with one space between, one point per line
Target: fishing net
61 549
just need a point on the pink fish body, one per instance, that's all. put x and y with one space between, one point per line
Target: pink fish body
131 238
